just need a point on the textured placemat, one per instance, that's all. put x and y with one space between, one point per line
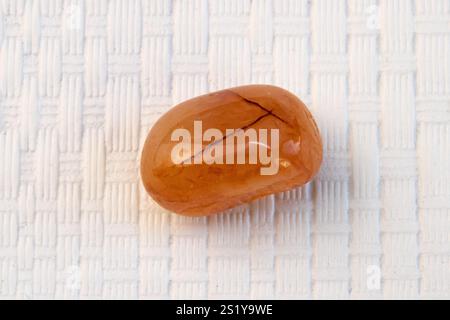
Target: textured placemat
82 81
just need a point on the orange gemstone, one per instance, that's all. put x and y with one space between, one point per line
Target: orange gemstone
219 150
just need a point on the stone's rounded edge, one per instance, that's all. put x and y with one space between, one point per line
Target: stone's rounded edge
217 207
319 145
142 165
204 212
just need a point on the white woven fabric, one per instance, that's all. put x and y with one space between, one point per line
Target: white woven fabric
82 81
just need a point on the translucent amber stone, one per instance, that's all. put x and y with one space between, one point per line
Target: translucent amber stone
207 177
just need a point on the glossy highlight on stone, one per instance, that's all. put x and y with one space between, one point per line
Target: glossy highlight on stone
189 187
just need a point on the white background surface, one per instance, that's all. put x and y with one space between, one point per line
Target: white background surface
81 82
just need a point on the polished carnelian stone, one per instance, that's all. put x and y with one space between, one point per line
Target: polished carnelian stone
197 189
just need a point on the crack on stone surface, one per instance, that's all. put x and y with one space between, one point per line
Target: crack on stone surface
261 107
